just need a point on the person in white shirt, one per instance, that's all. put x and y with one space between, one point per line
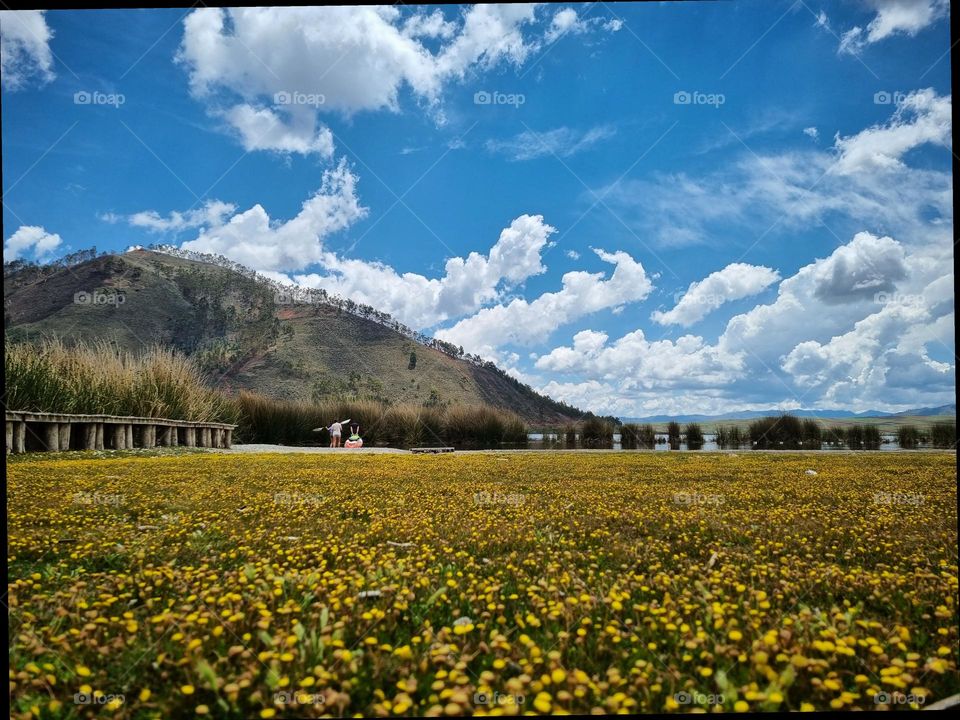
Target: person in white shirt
335 430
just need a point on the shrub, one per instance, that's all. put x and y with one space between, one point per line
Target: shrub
694 436
633 436
834 435
784 432
730 437
673 435
648 438
597 432
810 434
629 436
908 437
944 435
570 435
871 437
855 437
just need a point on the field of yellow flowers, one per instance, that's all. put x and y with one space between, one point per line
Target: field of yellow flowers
483 583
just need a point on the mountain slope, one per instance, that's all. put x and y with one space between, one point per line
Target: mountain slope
231 323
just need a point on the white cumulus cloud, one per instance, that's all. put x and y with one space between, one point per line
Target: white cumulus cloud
734 282
466 285
893 17
253 239
525 322
269 71
30 239
25 48
921 117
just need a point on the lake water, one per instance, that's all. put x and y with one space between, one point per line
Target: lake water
548 441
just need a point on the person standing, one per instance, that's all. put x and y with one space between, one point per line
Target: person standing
335 430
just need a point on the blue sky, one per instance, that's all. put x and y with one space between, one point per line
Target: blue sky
542 184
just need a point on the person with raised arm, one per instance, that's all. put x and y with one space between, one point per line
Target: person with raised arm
335 430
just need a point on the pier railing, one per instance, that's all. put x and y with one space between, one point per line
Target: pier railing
56 432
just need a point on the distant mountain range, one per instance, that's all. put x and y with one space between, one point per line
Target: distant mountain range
942 410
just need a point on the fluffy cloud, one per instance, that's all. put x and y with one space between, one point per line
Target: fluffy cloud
837 290
213 213
525 323
859 328
562 142
863 269
261 128
30 239
252 238
269 71
885 353
433 25
734 282
893 17
870 299
467 284
567 21
920 118
634 362
25 48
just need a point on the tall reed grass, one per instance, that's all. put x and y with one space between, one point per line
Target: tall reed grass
871 437
730 437
267 420
596 433
694 436
943 435
783 432
633 436
908 437
673 434
100 378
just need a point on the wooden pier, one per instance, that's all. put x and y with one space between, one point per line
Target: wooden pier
56 432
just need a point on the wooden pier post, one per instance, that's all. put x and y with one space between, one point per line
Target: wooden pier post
229 442
9 437
51 436
190 437
119 433
98 445
90 436
65 430
19 436
129 431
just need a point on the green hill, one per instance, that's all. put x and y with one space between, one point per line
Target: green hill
246 335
